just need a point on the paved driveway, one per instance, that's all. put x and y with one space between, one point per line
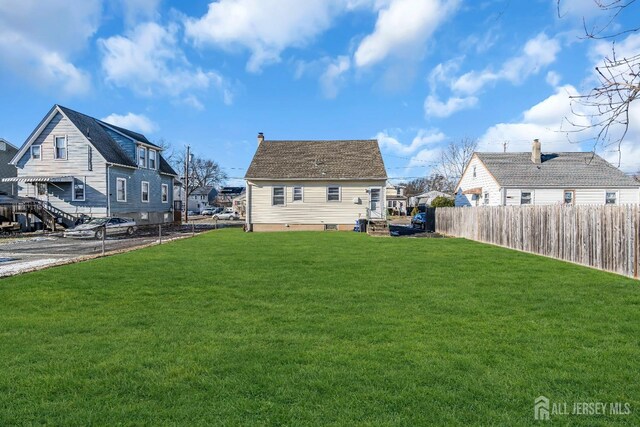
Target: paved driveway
28 253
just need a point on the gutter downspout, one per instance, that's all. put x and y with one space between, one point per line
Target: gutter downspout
108 191
248 214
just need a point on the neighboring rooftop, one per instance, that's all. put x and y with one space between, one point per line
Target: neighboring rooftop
352 159
564 169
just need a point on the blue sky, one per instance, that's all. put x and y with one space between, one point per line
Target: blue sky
413 73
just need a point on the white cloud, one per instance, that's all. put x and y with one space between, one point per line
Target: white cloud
425 158
333 76
544 121
402 25
139 10
423 138
536 54
434 107
131 121
33 46
553 78
149 61
442 72
264 27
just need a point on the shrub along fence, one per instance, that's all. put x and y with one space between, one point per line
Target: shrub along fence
603 237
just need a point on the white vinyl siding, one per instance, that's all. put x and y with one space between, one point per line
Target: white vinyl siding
121 190
483 180
315 209
60 196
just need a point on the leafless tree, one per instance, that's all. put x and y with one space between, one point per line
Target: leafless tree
415 187
606 107
202 172
454 159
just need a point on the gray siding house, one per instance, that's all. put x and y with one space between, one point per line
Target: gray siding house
7 170
74 164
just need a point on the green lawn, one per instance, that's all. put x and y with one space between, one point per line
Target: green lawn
315 328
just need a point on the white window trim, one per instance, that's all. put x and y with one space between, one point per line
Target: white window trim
155 159
339 194
616 192
39 147
55 149
573 197
125 189
293 194
162 192
84 189
146 157
142 192
284 195
526 191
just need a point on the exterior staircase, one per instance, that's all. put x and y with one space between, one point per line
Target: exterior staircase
52 218
378 228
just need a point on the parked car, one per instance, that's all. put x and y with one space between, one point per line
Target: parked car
419 221
97 226
211 210
226 215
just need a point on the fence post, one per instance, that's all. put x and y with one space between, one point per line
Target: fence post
104 235
160 233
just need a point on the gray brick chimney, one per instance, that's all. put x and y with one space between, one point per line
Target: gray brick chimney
536 152
260 138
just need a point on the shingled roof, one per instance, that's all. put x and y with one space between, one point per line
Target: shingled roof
94 130
353 159
565 169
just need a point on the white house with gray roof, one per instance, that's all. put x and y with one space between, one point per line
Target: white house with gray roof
536 178
314 185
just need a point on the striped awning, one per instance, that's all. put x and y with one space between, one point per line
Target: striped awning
38 179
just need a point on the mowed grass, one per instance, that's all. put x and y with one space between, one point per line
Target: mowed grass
316 328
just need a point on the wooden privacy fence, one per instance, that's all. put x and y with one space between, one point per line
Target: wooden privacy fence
603 237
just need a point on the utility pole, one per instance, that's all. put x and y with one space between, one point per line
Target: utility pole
186 184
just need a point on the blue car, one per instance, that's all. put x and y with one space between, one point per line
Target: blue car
419 221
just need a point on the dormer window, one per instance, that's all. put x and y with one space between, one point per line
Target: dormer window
142 157
152 159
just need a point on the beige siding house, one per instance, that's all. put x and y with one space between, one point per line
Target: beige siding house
314 185
534 178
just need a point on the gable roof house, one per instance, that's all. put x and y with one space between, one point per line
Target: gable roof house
7 170
536 178
314 185
74 164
